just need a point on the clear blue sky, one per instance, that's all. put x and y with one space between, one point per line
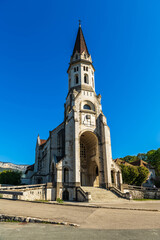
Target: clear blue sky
36 42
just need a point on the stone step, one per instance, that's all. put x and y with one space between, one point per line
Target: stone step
100 194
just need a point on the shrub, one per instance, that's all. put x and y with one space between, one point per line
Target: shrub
134 175
10 177
59 200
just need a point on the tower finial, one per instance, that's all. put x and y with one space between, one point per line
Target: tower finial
79 23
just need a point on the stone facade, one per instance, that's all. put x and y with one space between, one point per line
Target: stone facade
78 152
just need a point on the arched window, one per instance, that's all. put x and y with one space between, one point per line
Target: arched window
76 79
113 176
66 175
86 79
86 106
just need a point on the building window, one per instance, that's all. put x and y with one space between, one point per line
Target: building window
86 79
85 56
76 79
66 175
77 69
86 106
92 82
84 68
61 143
82 151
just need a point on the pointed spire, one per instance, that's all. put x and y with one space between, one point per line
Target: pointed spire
80 44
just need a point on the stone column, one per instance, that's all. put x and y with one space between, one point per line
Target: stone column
77 153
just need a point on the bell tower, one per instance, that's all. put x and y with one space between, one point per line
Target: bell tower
81 70
88 153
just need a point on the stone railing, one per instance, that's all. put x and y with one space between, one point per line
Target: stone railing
23 187
29 192
82 196
139 192
131 187
119 193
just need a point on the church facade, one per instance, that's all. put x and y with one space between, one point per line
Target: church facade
77 153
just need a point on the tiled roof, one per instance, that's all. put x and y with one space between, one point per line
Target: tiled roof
42 141
139 162
120 161
80 44
57 127
29 168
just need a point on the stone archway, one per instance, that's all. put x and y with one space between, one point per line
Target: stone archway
118 180
65 195
89 159
113 177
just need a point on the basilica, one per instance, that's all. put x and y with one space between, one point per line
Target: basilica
77 153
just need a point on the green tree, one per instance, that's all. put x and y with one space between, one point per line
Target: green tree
10 177
129 158
134 175
154 160
129 174
143 174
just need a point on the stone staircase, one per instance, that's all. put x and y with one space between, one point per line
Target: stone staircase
101 194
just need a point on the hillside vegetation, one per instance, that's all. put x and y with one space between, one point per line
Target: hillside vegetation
10 177
152 157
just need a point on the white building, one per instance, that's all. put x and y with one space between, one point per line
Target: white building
78 153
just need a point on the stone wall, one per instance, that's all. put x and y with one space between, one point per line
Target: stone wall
29 192
142 192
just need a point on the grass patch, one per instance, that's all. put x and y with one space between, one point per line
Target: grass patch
59 200
9 220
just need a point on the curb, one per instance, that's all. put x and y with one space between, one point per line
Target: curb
10 218
97 206
90 206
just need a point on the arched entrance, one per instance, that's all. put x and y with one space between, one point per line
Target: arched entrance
113 177
118 180
89 159
65 195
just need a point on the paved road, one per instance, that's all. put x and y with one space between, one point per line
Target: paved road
88 218
14 231
122 203
152 204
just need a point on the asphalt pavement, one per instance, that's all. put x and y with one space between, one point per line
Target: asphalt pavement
86 217
14 231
